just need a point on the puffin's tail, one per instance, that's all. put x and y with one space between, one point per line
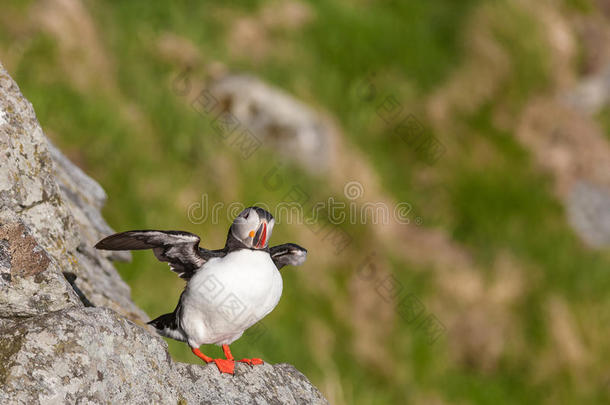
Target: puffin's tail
167 325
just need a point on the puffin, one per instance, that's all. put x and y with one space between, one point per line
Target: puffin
227 290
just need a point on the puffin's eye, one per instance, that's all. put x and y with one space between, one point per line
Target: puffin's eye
252 233
247 214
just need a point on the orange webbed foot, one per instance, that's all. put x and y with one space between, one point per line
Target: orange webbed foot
252 362
225 366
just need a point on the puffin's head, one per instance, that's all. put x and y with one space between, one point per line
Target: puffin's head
253 227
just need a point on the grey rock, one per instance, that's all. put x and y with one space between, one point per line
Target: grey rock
96 276
58 203
94 355
277 119
27 182
588 208
53 349
31 282
591 94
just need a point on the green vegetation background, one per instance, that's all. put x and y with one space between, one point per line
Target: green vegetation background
154 156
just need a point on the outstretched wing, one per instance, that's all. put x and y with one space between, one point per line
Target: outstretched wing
179 249
288 254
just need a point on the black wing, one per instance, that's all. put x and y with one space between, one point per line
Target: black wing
179 249
288 254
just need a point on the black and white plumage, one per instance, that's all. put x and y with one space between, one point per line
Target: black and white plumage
180 249
228 290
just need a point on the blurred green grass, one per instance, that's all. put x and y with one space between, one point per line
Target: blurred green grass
157 160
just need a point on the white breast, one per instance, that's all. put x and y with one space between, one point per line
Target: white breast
228 295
